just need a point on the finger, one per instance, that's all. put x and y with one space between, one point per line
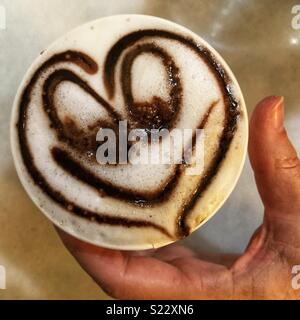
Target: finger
127 276
167 253
273 157
172 252
275 164
224 259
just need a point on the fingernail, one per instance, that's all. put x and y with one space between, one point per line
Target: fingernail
278 114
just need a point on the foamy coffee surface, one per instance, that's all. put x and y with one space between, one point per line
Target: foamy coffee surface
154 74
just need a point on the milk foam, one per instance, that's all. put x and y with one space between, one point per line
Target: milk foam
201 90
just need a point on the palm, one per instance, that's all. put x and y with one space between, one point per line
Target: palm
263 271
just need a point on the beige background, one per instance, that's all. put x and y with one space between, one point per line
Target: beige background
258 42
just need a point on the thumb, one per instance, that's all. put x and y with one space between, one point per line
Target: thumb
275 164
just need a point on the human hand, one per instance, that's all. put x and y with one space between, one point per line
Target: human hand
262 272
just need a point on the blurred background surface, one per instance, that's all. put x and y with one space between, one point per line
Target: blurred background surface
257 40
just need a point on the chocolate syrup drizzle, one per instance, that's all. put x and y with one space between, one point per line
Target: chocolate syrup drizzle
156 114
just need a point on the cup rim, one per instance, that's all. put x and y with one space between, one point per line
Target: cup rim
18 160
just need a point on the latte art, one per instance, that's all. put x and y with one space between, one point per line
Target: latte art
155 75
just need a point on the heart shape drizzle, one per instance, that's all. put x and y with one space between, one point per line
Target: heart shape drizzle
155 114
